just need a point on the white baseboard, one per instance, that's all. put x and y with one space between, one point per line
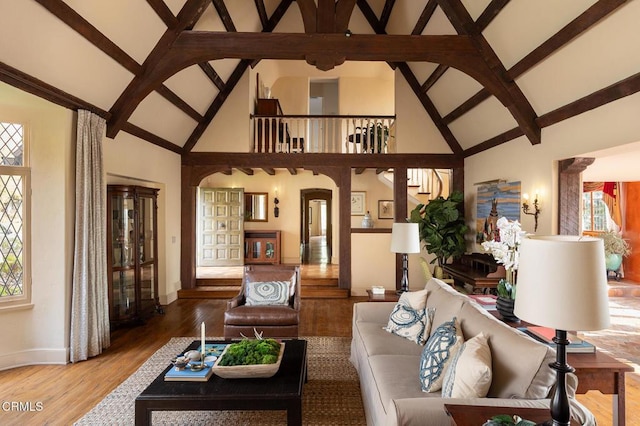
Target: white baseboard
34 357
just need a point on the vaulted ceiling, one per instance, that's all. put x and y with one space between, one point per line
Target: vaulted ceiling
485 71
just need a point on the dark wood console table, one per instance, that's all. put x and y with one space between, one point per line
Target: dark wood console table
479 270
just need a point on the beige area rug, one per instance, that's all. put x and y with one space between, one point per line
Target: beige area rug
331 396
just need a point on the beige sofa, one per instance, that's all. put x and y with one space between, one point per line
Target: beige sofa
388 365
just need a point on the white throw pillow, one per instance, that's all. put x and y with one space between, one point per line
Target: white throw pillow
438 353
267 293
469 375
409 318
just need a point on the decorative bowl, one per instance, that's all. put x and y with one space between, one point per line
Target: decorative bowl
247 371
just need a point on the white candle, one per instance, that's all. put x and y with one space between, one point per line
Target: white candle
202 340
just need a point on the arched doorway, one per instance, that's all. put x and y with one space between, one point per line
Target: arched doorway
315 225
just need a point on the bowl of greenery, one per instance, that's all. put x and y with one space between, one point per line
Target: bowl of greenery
250 358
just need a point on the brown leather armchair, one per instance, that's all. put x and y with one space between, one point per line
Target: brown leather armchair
271 320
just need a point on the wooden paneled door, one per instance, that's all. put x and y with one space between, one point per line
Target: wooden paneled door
220 227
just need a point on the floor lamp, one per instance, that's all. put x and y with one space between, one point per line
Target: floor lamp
562 285
405 238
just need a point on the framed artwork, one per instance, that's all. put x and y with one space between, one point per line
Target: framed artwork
494 201
385 209
358 203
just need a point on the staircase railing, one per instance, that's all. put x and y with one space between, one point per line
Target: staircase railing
357 134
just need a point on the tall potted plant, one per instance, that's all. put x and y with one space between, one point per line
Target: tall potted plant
442 227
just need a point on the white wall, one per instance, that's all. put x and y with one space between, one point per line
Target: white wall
129 160
40 333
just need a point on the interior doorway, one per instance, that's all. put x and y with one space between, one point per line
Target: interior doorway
315 226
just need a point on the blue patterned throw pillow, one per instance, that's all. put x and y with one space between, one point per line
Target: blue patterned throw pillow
409 318
267 293
438 353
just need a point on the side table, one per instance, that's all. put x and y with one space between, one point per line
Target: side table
388 296
475 415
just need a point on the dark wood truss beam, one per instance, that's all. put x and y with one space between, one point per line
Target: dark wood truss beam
292 171
435 76
83 27
425 16
247 171
270 171
573 29
430 108
150 137
163 12
619 90
490 13
328 16
518 104
29 84
124 106
262 12
273 21
311 161
371 17
212 74
216 105
221 8
344 10
386 12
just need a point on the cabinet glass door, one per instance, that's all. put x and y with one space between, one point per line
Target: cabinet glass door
122 211
145 229
270 250
124 294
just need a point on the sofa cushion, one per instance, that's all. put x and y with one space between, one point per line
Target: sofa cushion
520 365
267 293
469 375
438 354
409 319
377 341
445 300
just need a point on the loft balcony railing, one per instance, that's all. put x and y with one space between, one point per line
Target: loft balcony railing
352 134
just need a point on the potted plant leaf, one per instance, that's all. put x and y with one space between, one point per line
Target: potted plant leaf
442 227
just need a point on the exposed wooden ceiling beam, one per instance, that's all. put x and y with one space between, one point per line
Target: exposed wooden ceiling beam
268 170
150 137
381 170
344 10
435 76
586 20
39 88
221 8
314 161
430 109
177 101
273 21
212 74
518 105
359 170
124 107
573 29
490 13
425 16
216 105
621 89
494 141
246 170
262 12
292 171
371 17
163 12
309 12
386 12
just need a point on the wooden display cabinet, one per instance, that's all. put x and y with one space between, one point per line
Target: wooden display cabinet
132 247
261 247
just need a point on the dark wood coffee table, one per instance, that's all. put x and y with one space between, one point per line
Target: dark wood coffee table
280 392
475 415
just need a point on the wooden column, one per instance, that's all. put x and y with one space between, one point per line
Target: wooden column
188 230
400 208
344 218
570 194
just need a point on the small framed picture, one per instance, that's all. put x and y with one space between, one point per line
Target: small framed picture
385 209
358 203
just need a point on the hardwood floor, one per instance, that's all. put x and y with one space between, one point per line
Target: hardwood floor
61 394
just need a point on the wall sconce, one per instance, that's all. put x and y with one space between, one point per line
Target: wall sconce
276 209
536 210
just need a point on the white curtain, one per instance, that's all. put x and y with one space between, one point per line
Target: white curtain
90 304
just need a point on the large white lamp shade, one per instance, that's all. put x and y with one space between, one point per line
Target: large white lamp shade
405 238
562 283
